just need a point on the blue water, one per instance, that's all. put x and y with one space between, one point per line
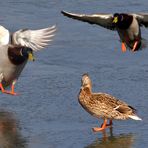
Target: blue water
47 109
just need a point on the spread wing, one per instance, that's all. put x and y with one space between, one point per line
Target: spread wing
104 20
35 39
142 18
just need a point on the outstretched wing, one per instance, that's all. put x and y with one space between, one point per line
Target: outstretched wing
35 39
104 20
142 18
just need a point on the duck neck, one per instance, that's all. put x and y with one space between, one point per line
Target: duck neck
15 56
88 90
126 22
85 91
84 96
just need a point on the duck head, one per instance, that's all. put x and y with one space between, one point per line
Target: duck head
117 18
122 20
86 83
18 54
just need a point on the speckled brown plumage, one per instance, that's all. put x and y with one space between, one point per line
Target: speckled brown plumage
102 105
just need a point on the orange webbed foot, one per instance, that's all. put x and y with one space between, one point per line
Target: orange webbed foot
103 127
98 129
11 92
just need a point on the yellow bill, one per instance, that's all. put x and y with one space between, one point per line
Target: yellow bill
31 57
115 20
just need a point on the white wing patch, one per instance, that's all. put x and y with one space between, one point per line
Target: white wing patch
4 36
35 39
103 16
116 107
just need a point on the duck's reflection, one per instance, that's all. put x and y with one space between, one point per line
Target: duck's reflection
10 136
120 141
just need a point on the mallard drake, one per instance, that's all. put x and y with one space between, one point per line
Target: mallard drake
16 49
126 24
102 105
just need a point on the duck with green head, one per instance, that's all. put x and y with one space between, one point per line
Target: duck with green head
16 49
126 24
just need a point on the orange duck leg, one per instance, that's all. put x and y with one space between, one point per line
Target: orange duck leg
135 46
11 92
104 126
123 47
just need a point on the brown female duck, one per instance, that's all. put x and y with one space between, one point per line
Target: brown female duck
102 105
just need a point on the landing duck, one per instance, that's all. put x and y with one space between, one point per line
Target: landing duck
126 24
102 105
16 49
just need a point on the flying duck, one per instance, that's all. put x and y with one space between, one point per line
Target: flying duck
102 105
16 49
126 24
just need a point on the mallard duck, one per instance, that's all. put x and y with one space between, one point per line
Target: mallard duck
15 50
102 105
126 24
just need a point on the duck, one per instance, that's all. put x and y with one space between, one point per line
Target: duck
16 49
126 24
103 105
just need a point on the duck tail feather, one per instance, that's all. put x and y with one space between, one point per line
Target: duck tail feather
135 117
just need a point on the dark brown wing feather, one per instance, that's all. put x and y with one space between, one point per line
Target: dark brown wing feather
104 20
142 18
125 109
114 103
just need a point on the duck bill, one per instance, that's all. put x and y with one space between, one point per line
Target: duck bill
31 57
115 20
